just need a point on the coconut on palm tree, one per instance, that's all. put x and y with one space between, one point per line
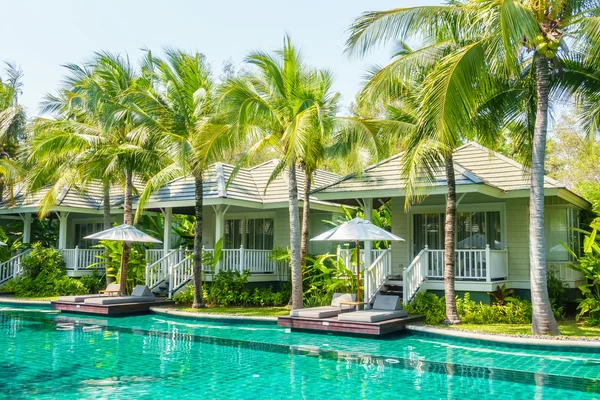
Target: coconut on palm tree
495 40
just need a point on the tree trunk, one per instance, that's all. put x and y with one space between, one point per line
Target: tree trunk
107 224
197 269
127 219
305 216
449 245
295 257
543 321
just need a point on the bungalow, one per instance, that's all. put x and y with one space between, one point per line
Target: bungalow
251 217
492 231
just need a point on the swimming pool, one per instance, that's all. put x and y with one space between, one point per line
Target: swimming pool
62 356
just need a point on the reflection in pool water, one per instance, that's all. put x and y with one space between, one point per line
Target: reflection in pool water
64 356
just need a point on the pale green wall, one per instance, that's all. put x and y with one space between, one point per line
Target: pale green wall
401 254
517 236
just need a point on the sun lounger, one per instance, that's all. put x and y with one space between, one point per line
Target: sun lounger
111 288
326 311
140 294
384 308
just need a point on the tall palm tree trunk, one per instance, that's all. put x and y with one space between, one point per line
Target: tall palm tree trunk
543 321
107 224
127 219
295 256
305 216
197 269
449 245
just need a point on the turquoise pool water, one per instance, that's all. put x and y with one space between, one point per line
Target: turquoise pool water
62 356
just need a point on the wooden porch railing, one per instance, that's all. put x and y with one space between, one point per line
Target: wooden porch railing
11 268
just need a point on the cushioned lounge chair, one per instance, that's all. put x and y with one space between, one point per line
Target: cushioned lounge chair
140 294
81 298
384 308
326 311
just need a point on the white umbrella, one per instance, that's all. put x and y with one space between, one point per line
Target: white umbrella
357 230
123 233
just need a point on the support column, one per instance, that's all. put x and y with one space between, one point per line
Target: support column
168 222
368 213
26 227
62 230
220 211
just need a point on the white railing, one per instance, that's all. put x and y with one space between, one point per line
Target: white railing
11 268
153 255
181 273
471 264
76 259
347 254
414 275
377 273
565 273
254 261
158 271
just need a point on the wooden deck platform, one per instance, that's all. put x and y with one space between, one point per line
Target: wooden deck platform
109 309
362 328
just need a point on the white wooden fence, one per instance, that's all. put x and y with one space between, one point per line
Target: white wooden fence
471 264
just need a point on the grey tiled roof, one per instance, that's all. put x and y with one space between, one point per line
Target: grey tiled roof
473 164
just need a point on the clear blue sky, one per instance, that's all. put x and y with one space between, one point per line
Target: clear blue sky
42 35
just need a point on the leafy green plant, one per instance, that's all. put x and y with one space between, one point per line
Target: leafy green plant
44 275
502 295
557 292
515 311
325 275
94 282
185 296
13 245
589 266
428 304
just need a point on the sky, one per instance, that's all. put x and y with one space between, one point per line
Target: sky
40 36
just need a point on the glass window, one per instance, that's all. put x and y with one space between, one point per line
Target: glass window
557 224
233 234
259 234
428 230
475 230
83 230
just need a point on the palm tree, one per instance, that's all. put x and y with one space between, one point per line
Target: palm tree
496 39
97 135
177 105
12 127
279 104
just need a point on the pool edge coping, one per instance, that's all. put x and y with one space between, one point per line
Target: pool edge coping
505 339
210 316
5 300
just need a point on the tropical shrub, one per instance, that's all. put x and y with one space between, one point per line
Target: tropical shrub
325 275
44 275
229 288
557 292
13 245
589 266
431 306
94 283
515 311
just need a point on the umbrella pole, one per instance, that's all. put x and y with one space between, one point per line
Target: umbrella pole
357 271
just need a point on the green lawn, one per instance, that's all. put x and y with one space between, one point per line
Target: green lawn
567 328
241 311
